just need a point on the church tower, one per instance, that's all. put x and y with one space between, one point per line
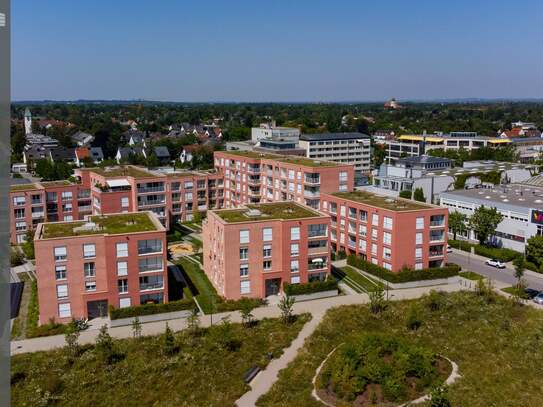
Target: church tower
28 121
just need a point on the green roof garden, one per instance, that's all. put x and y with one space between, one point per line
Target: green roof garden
123 171
267 211
60 183
289 159
108 224
380 201
23 187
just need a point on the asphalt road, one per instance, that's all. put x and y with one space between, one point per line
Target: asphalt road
478 265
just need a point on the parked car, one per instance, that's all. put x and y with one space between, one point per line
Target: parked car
449 248
531 293
538 298
495 263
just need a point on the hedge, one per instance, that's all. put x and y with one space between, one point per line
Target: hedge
150 309
234 305
308 288
498 253
405 275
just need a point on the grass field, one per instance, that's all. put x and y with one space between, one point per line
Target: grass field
357 281
206 292
203 373
18 330
496 345
471 275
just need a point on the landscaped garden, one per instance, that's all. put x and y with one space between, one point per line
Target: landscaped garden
194 367
494 342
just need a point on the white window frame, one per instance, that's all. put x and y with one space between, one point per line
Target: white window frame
267 234
295 233
245 287
121 249
123 269
89 250
64 310
244 236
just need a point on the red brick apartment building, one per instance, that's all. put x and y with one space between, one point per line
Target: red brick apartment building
252 177
252 251
389 232
173 196
83 267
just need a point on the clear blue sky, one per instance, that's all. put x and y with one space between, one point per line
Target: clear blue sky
276 50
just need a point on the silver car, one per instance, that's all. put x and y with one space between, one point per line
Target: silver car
538 299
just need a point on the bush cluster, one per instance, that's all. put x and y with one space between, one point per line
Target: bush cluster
501 254
405 275
308 288
150 309
234 305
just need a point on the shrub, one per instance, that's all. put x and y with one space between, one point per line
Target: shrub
414 318
501 254
150 309
405 275
16 258
308 288
377 299
168 339
235 305
435 300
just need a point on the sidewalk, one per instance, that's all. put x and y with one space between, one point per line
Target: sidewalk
313 307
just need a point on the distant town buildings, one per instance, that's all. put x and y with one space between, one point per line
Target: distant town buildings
271 131
392 104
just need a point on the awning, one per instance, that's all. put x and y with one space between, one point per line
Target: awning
123 182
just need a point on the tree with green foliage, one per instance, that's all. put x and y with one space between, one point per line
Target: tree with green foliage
52 171
406 194
168 342
519 263
152 161
534 250
104 346
193 322
286 305
457 222
418 195
136 328
484 222
246 310
71 338
377 299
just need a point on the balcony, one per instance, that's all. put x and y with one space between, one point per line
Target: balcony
84 194
151 286
311 193
253 169
437 236
36 215
36 202
312 179
145 190
86 208
317 264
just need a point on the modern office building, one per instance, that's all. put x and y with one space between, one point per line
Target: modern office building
252 251
271 131
391 233
83 267
342 148
520 204
251 177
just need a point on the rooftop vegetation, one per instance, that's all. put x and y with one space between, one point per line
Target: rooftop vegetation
123 171
268 211
23 187
380 201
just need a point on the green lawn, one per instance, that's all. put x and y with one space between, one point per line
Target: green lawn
18 330
207 295
495 344
206 371
514 291
357 281
471 275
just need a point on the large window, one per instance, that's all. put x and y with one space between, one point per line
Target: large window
60 272
19 200
89 250
387 238
60 253
267 251
122 285
122 268
387 222
267 234
375 219
294 249
245 287
62 291
295 233
243 253
418 253
244 236
317 230
89 269
64 310
244 270
122 249
418 238
154 263
149 246
294 266
151 282
420 223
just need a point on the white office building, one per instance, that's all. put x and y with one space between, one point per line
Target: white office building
271 131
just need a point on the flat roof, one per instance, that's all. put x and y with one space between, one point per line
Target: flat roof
104 224
122 171
382 201
307 162
503 196
24 187
60 183
333 136
267 211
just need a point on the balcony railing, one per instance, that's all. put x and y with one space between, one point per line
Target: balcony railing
317 266
36 215
152 286
144 190
312 180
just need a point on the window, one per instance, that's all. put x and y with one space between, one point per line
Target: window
267 264
363 215
317 230
64 310
343 176
244 236
387 253
295 233
68 218
89 269
19 213
295 280
62 291
60 272
294 249
418 253
387 222
122 249
188 196
122 285
362 245
418 238
375 219
267 251
90 285
387 266
418 266
373 248
294 266
420 223
149 246
374 234
362 230
387 238
60 253
154 263
151 282
124 202
19 201
243 253
66 195
89 250
267 235
244 270
124 302
245 287
122 268
20 226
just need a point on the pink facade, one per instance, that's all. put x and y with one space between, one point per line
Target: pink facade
250 177
80 276
396 234
253 258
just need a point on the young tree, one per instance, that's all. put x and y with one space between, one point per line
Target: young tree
457 222
246 310
439 397
136 328
377 299
534 250
194 322
405 194
104 346
286 306
168 340
418 195
484 222
71 337
519 263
